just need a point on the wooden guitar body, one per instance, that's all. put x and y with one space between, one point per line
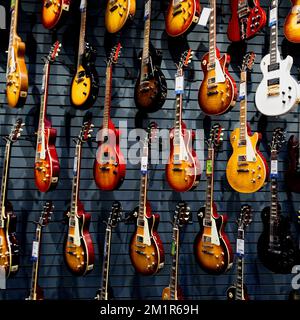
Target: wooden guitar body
231 293
17 77
147 259
85 84
256 19
213 258
80 259
54 13
109 165
183 175
117 13
166 295
218 98
292 23
246 176
292 175
283 255
182 18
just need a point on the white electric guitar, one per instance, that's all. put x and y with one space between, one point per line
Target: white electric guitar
278 91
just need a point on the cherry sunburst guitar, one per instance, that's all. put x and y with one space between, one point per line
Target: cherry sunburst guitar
181 217
146 249
9 249
247 19
46 167
78 248
183 167
238 291
54 12
217 93
118 13
109 165
292 23
85 83
246 169
278 92
16 71
212 248
182 16
36 292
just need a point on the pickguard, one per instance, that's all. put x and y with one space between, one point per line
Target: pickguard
76 233
147 238
219 72
250 152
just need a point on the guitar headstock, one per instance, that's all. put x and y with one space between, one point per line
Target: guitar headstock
85 132
182 214
16 131
115 214
245 217
46 214
248 61
152 133
53 54
115 54
278 139
216 136
185 60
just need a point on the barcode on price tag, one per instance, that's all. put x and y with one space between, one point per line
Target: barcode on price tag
35 250
179 84
240 247
273 17
274 168
144 164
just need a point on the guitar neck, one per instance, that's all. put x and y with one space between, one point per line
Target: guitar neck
274 36
107 104
274 214
81 48
240 278
142 201
106 263
145 56
243 108
210 186
212 33
174 268
75 183
178 117
14 9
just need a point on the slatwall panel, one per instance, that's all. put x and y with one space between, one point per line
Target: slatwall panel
56 280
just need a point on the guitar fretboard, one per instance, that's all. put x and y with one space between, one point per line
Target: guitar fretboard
174 267
107 104
178 118
209 187
243 109
145 55
273 37
212 33
82 32
239 279
142 201
75 184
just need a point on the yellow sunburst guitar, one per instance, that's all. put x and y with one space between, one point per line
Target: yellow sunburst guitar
246 169
16 71
117 13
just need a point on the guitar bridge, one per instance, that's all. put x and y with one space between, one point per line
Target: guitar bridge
177 12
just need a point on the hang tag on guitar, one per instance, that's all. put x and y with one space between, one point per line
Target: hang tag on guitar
75 166
179 84
209 167
144 165
273 17
147 10
2 18
2 278
242 94
35 250
240 247
274 168
173 248
205 14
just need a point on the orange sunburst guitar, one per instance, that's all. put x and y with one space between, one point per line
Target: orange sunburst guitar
182 16
16 71
183 167
246 169
54 12
212 248
292 23
117 13
217 93
182 217
109 165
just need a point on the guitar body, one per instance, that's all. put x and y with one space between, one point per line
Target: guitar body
80 259
46 171
17 77
183 175
292 23
213 258
109 165
54 13
221 97
85 84
255 21
118 13
231 293
292 176
250 176
166 295
182 18
283 256
147 259
150 92
286 95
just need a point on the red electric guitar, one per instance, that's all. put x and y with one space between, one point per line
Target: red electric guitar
46 167
109 165
247 19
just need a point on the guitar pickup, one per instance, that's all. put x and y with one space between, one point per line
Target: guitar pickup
242 170
242 158
243 12
140 252
177 169
273 82
207 252
273 67
207 239
211 93
104 168
242 143
114 8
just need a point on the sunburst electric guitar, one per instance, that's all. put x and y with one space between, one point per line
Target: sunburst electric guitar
292 23
246 169
54 12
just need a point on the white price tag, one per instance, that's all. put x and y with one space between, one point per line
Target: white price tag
2 278
2 18
274 168
240 247
242 90
179 84
144 164
75 166
147 10
35 250
273 17
205 14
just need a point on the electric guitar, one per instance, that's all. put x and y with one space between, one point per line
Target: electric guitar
292 23
182 16
36 292
151 87
238 291
109 165
105 292
181 217
9 249
54 12
247 19
46 167
183 167
212 248
217 93
78 248
146 249
118 13
278 92
85 83
246 169
16 71
275 247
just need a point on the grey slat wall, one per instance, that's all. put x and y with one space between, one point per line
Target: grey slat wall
55 279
